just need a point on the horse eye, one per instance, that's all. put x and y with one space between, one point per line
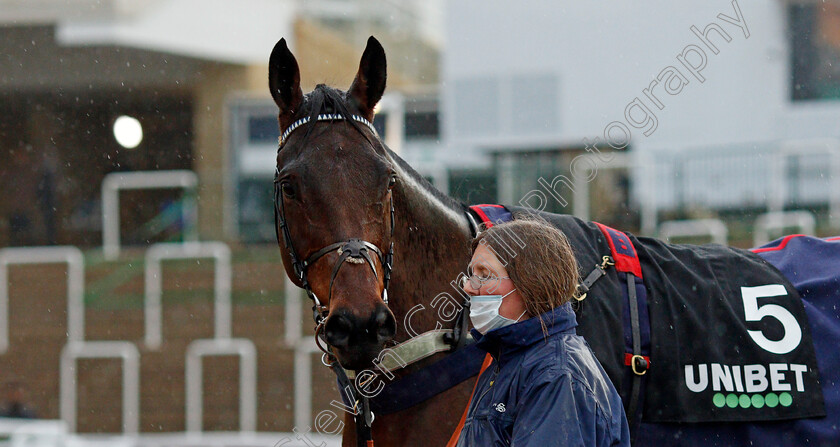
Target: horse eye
392 181
288 190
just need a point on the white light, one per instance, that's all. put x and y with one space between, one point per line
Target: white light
128 132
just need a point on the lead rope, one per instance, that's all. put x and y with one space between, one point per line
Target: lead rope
362 416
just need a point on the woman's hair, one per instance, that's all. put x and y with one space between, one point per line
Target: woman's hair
538 259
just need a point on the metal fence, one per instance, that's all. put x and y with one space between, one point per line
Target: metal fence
772 176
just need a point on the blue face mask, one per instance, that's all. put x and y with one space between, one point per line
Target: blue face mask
484 312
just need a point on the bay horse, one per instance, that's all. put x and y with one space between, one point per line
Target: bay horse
337 181
372 243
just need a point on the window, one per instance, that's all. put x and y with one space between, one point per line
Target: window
814 30
379 121
422 125
263 129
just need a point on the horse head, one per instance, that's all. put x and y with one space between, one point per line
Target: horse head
334 204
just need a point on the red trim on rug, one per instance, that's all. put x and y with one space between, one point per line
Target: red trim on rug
781 245
623 263
485 220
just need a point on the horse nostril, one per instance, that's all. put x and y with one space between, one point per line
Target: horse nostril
384 324
337 330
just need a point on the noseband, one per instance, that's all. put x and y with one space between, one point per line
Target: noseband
354 250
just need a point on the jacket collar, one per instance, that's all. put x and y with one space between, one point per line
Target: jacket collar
525 333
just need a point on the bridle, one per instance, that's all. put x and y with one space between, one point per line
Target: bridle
355 250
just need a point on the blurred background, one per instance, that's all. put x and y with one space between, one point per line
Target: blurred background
129 124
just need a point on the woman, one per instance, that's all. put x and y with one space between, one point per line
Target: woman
545 386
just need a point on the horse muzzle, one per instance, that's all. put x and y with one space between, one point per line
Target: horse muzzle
357 340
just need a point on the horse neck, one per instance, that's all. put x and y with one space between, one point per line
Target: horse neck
431 247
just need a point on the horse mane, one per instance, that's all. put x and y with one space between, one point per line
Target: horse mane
328 100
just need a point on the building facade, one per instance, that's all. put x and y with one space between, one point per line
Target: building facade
702 99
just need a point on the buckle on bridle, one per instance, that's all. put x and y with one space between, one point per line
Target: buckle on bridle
354 248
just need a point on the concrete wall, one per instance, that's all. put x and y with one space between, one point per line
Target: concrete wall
211 159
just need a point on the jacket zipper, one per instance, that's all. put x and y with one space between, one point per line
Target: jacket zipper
492 381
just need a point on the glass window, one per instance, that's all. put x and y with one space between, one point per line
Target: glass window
263 129
379 121
256 210
422 125
814 30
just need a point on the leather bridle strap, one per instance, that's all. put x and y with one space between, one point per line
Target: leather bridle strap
351 248
359 406
324 117
355 248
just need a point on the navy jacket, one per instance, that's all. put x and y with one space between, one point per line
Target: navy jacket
543 391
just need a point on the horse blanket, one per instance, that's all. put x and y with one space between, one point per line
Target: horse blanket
729 334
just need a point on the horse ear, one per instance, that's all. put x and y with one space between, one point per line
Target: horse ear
369 84
284 80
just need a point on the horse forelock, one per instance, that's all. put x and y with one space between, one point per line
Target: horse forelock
328 147
328 100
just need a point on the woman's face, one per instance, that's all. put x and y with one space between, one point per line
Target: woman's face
485 264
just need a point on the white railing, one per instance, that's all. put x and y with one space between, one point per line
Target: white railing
127 352
304 348
76 348
75 285
32 432
215 439
118 181
714 228
303 363
154 285
830 147
247 379
778 220
739 176
50 433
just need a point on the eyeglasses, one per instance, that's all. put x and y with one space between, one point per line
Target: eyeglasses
476 282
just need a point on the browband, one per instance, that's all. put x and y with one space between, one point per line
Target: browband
324 117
